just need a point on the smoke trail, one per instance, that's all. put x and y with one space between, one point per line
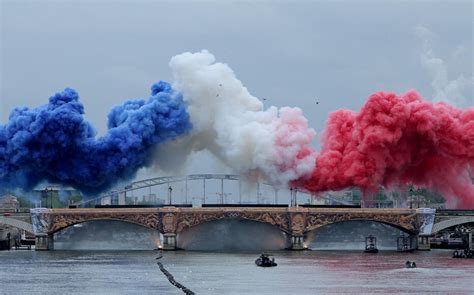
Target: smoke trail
231 123
395 140
452 91
54 143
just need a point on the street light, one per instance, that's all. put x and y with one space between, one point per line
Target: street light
291 196
170 189
50 190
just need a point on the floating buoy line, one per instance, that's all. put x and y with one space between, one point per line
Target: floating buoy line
171 279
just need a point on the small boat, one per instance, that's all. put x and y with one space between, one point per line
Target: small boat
404 244
371 250
371 244
466 253
409 264
265 261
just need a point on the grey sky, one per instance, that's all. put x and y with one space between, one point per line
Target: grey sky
292 53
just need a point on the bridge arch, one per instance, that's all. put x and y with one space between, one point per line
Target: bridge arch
17 224
451 222
406 221
277 220
394 225
167 180
233 234
65 226
58 222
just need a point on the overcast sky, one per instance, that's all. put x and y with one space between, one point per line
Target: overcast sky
291 52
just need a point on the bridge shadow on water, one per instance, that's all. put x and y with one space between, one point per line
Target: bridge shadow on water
106 235
233 235
350 235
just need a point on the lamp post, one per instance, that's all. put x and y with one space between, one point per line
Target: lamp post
291 197
410 197
295 190
50 190
170 189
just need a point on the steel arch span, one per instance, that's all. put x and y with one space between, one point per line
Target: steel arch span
146 183
452 222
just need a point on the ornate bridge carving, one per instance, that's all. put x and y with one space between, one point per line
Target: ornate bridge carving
407 220
294 221
275 216
49 221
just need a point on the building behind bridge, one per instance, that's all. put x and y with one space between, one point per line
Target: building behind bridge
9 203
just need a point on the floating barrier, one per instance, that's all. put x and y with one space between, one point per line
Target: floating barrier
171 279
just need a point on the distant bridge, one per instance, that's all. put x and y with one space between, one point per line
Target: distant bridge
167 180
449 218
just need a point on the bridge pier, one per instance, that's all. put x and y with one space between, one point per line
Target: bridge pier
169 241
423 243
44 242
470 240
297 242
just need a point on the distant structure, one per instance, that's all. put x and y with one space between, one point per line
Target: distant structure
46 194
9 203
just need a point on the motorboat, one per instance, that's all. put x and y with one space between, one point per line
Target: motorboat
371 249
409 264
265 261
371 244
404 244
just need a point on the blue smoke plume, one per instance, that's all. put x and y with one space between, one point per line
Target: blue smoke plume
53 142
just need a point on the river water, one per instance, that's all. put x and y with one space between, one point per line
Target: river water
307 272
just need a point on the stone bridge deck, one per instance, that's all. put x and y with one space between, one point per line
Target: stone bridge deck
170 221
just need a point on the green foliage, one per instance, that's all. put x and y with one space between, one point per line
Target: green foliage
73 199
25 202
356 194
431 197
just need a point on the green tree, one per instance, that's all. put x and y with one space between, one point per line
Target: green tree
25 202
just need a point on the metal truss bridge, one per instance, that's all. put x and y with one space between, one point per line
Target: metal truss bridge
167 180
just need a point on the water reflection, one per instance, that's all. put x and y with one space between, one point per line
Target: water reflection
106 235
233 235
306 272
350 235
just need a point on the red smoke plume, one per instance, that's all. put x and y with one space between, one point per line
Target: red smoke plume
398 140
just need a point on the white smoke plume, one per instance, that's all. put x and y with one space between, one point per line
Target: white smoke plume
452 91
228 121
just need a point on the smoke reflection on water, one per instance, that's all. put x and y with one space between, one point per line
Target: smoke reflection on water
233 235
350 235
106 235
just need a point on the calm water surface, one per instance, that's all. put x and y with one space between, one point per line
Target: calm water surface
310 272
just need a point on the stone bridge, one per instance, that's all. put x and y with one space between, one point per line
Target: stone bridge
17 223
296 222
446 218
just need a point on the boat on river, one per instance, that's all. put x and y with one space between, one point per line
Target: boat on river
265 261
371 244
5 239
411 264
